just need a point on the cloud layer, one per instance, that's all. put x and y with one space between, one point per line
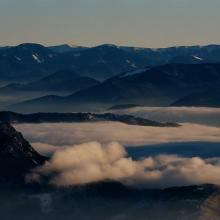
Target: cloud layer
200 115
48 137
93 162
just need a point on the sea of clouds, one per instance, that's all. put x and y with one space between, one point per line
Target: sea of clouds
47 137
83 153
198 115
93 162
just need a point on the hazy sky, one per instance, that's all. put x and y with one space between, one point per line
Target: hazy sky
148 23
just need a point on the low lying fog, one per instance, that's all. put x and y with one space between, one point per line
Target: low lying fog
200 115
47 137
93 162
90 152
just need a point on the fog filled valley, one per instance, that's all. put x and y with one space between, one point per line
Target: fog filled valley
113 170
109 132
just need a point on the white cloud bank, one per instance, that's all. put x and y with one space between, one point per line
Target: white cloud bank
84 153
200 115
93 162
48 137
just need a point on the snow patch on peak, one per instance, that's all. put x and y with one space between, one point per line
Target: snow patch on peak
72 45
18 58
131 64
154 49
128 61
197 58
130 73
35 56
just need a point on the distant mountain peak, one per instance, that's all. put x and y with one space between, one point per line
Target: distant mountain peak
30 45
63 48
107 46
73 45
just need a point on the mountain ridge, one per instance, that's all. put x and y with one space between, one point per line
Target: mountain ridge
30 61
60 81
16 118
156 86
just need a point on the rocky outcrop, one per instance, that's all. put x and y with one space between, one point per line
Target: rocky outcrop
17 156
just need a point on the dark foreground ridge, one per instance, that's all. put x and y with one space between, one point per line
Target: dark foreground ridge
14 118
16 155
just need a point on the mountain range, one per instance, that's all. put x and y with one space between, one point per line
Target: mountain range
156 86
29 61
39 78
100 77
60 81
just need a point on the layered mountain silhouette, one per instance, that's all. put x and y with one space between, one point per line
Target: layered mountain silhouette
60 81
29 61
160 85
25 61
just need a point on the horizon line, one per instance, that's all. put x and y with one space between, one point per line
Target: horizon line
111 44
